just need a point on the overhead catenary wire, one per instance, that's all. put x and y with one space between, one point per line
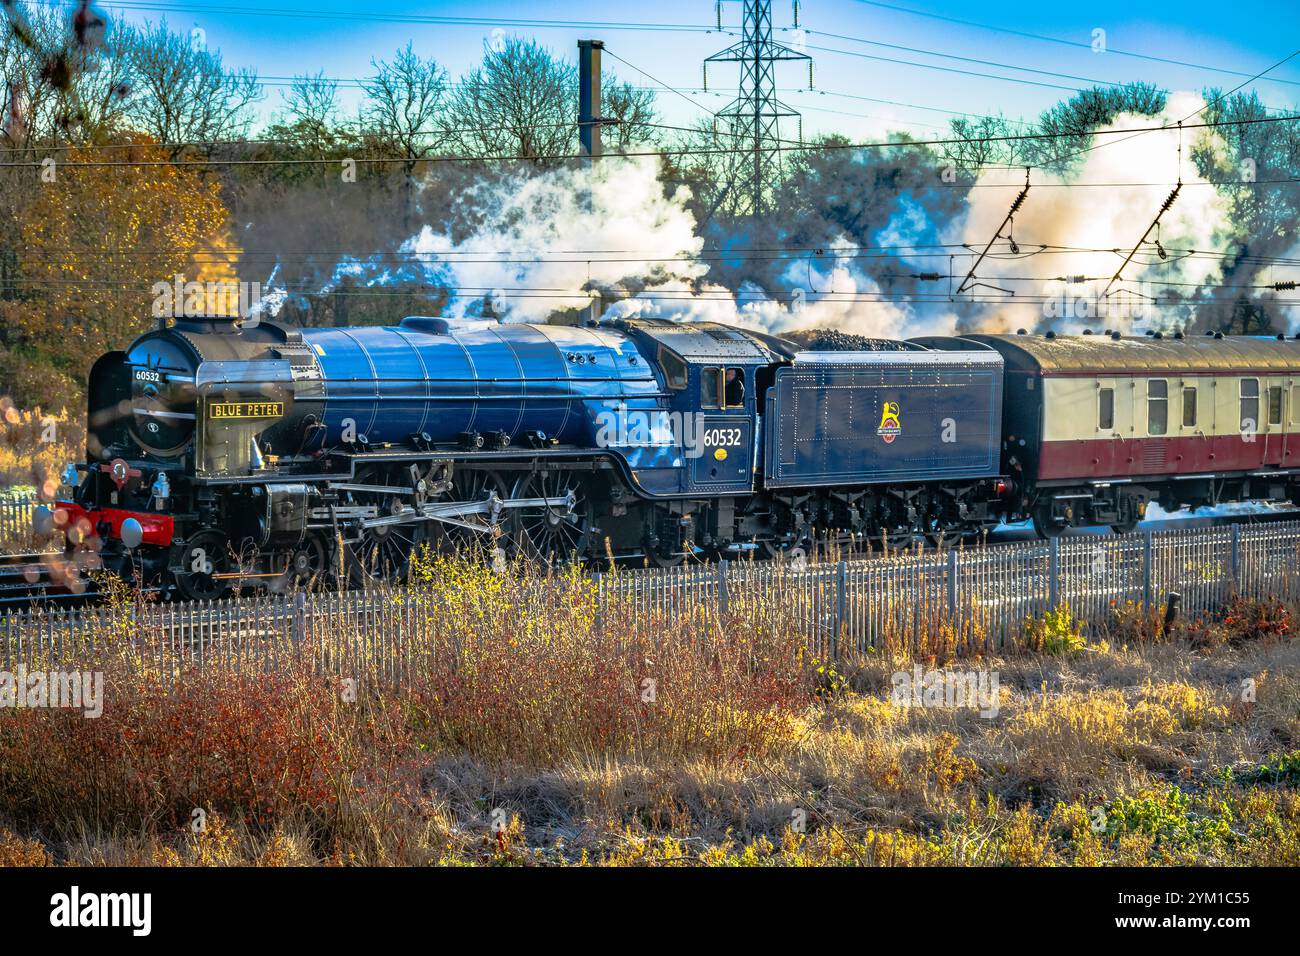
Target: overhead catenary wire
407 290
658 152
1091 81
682 295
433 134
618 256
1185 123
1079 44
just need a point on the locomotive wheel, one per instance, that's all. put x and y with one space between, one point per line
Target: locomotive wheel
382 553
942 525
666 560
308 564
773 548
205 560
890 527
1045 526
470 485
545 533
1130 509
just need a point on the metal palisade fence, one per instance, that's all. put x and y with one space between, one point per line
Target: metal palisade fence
983 597
979 599
16 522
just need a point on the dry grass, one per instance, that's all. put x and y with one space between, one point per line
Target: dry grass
525 737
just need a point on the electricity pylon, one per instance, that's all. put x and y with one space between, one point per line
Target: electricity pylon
753 118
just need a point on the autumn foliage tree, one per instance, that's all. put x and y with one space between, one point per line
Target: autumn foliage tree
95 240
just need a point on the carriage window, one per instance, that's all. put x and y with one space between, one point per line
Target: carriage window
1249 404
710 388
1106 409
1157 406
1294 417
1275 405
674 369
1189 406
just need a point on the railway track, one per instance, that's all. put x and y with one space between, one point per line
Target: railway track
42 578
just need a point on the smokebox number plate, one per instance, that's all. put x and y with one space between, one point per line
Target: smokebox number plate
245 409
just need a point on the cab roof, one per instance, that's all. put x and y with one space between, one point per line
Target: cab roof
708 341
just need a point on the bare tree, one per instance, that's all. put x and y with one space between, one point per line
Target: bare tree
521 101
313 99
96 105
310 119
400 115
634 108
984 142
183 93
403 99
1068 126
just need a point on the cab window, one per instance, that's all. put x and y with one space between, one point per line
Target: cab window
711 388
674 369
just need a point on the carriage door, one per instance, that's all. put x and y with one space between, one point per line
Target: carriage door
1275 422
720 441
1290 446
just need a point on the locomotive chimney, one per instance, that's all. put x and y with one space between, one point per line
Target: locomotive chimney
589 118
204 306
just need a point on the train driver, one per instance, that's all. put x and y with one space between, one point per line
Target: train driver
735 388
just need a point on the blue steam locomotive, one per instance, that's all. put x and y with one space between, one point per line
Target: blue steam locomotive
224 454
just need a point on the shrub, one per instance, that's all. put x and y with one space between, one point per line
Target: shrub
1056 632
1248 621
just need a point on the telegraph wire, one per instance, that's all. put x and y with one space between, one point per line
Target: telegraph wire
1072 43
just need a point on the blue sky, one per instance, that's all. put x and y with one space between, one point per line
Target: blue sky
280 46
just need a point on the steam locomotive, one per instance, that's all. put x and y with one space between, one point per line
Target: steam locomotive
224 454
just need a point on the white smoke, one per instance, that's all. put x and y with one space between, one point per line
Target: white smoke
547 240
555 240
828 291
568 237
1062 212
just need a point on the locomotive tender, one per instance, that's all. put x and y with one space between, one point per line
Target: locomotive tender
226 456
